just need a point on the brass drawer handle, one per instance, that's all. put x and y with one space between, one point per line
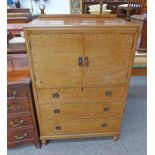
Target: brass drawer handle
14 94
18 108
21 137
58 127
106 109
55 95
80 62
56 111
108 93
86 60
104 125
17 124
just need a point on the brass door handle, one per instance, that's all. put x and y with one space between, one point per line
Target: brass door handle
80 62
86 60
17 124
21 137
14 94
18 108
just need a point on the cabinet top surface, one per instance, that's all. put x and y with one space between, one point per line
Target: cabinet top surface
63 21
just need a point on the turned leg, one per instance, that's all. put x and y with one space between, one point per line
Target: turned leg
44 142
115 138
37 144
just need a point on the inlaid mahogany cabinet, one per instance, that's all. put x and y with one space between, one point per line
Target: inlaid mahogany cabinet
80 70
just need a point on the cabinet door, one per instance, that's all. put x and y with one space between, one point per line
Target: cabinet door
55 60
109 56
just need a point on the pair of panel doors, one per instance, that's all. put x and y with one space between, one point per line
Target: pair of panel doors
80 60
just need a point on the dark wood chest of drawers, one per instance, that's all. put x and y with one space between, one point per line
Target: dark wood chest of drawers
21 121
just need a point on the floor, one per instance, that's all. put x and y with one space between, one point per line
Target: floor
133 138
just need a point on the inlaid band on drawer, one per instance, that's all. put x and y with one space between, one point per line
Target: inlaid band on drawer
15 92
20 134
80 95
80 126
19 121
52 111
20 106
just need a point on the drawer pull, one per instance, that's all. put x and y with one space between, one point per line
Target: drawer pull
104 125
86 60
17 124
58 127
106 109
17 108
80 63
108 93
21 137
55 95
14 94
56 111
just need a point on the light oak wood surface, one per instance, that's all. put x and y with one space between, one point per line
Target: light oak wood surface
79 66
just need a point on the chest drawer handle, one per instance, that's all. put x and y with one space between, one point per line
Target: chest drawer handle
108 93
104 125
21 137
17 124
55 95
17 108
56 111
14 94
106 109
58 127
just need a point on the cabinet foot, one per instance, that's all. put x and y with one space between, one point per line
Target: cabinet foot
44 142
115 138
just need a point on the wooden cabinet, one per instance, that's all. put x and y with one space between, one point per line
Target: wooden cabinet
22 126
21 123
80 71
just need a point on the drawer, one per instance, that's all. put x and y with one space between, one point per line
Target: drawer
19 121
17 92
80 95
18 106
21 135
60 110
80 126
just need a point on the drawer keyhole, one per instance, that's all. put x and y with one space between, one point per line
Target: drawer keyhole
56 111
55 95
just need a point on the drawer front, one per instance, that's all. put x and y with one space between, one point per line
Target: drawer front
80 95
20 135
17 92
80 126
17 107
19 121
60 110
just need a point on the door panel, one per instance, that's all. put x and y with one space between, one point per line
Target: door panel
55 59
108 58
